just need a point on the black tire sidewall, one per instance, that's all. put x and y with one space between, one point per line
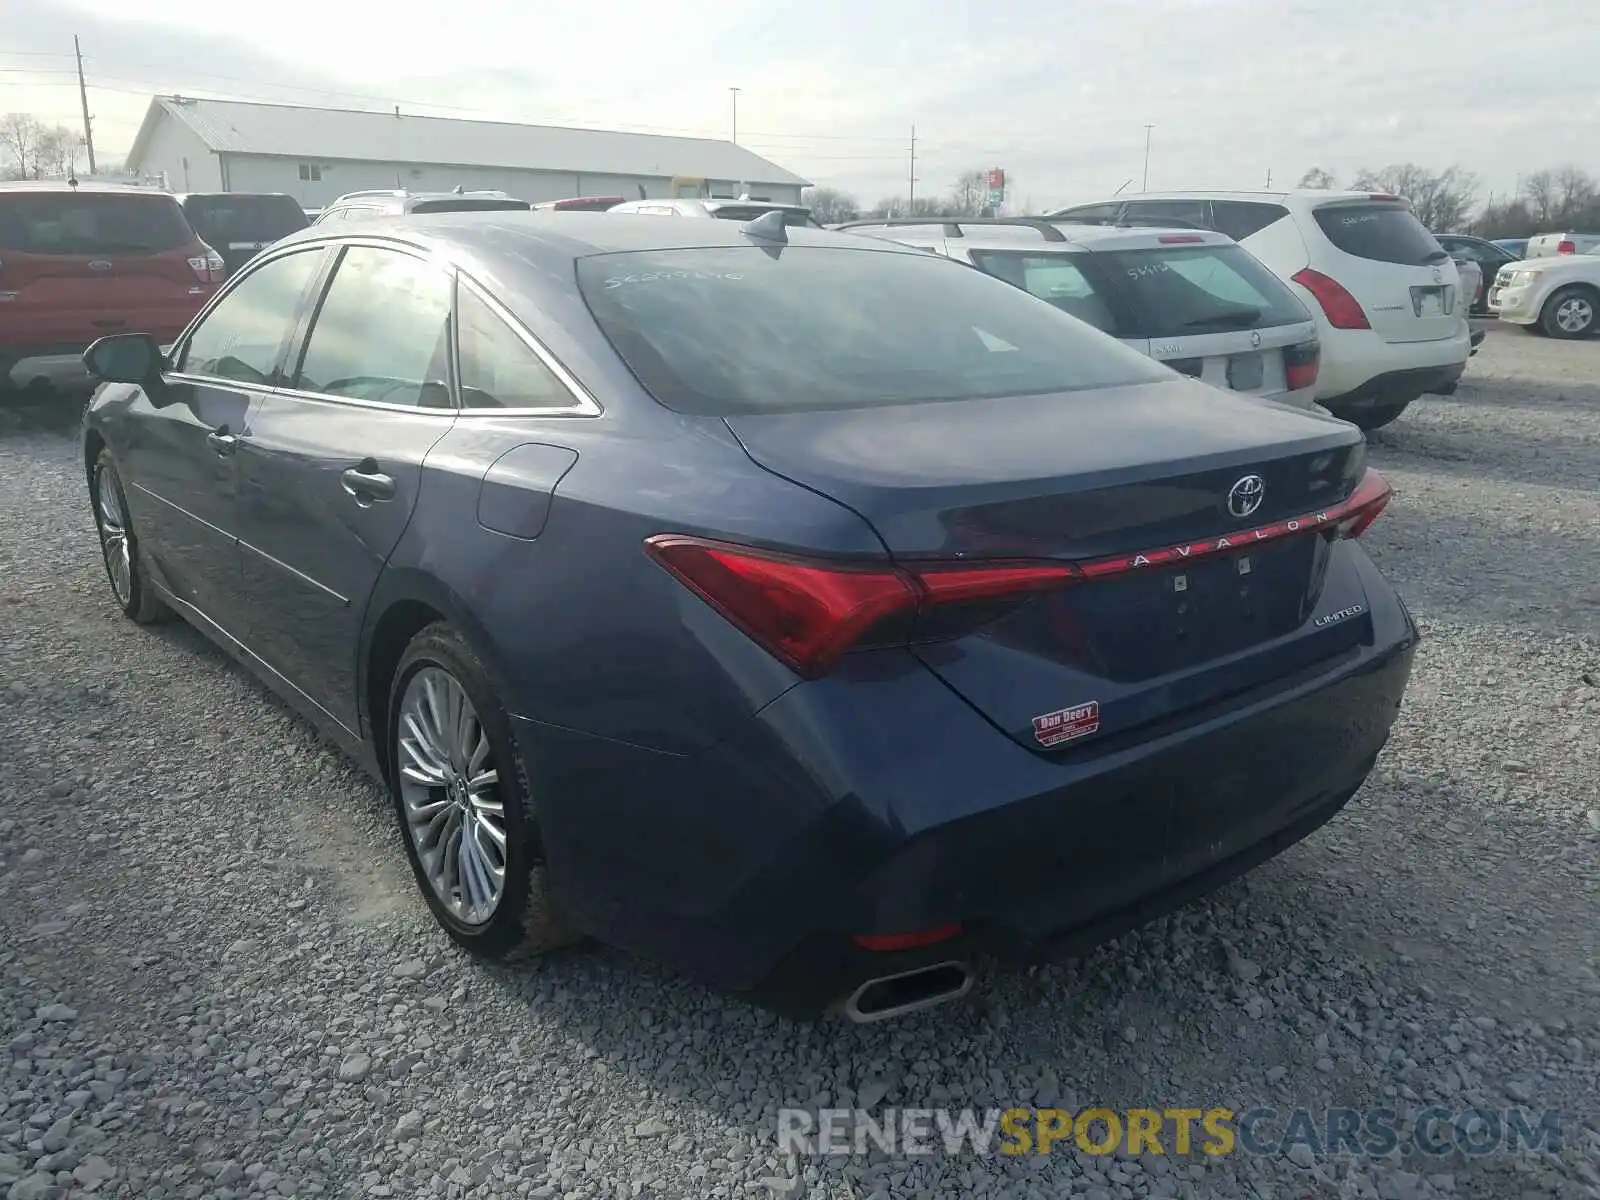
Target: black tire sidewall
440 646
104 463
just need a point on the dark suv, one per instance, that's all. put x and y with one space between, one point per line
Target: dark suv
357 206
238 225
79 261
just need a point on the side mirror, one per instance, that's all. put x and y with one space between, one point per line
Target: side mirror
125 358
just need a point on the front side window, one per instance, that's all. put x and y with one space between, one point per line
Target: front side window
242 337
724 330
1055 278
498 368
382 333
1178 291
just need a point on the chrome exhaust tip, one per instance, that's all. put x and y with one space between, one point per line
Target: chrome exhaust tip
888 996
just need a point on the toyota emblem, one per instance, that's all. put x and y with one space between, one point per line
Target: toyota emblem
1255 339
100 264
1438 275
1245 496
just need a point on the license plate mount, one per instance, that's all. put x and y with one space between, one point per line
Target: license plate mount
1246 372
1428 301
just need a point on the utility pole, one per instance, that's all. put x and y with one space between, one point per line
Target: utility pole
1269 179
734 92
83 95
1145 187
911 200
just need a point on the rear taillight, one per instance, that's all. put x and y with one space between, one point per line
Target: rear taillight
1300 363
1342 309
209 267
1366 505
1567 248
809 614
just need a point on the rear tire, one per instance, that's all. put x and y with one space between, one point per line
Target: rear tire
119 546
464 804
1375 417
1571 313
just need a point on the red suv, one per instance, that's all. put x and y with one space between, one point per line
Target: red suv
81 261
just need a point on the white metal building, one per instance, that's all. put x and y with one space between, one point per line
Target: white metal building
316 154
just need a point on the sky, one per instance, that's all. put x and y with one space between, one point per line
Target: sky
1056 93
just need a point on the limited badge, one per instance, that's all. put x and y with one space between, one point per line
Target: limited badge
1064 724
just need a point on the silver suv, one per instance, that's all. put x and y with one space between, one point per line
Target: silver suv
354 206
1194 299
726 209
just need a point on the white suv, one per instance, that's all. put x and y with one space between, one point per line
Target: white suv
1559 296
1386 296
1192 299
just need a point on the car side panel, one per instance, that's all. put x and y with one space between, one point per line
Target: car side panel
582 628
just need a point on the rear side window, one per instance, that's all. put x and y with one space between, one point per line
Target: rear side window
1381 232
224 219
1057 279
1179 291
382 333
725 330
92 223
498 368
1241 218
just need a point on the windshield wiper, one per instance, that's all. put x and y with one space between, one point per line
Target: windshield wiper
1234 317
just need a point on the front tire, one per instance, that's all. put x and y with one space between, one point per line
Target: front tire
119 546
1570 313
463 801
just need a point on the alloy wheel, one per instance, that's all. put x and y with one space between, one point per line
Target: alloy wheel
114 543
450 791
1574 314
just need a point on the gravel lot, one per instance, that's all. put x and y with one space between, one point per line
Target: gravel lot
216 979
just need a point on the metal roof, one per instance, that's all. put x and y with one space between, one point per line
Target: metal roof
296 131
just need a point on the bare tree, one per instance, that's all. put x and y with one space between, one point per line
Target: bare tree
970 195
1576 195
1442 200
19 138
1539 190
54 152
899 206
829 205
1317 178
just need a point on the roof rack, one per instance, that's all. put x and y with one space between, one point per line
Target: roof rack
952 225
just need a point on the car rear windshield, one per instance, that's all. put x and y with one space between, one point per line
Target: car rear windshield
792 217
91 223
470 204
1382 232
1180 291
728 330
235 218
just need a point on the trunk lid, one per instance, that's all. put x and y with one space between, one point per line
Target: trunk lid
1382 255
1092 476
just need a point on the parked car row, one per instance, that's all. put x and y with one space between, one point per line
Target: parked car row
808 611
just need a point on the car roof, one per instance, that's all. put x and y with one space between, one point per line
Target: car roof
541 238
996 234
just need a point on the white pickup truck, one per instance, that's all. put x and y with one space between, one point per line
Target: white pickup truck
1552 245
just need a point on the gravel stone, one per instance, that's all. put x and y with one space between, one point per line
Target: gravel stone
262 1005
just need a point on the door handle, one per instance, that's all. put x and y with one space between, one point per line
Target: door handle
368 485
222 441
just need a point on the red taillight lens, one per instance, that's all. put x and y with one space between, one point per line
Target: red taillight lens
1343 310
1365 505
1567 248
1300 363
810 613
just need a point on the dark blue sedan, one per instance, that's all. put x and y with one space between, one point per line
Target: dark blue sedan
808 612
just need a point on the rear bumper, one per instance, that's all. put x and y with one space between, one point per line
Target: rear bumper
1397 387
883 803
1353 360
